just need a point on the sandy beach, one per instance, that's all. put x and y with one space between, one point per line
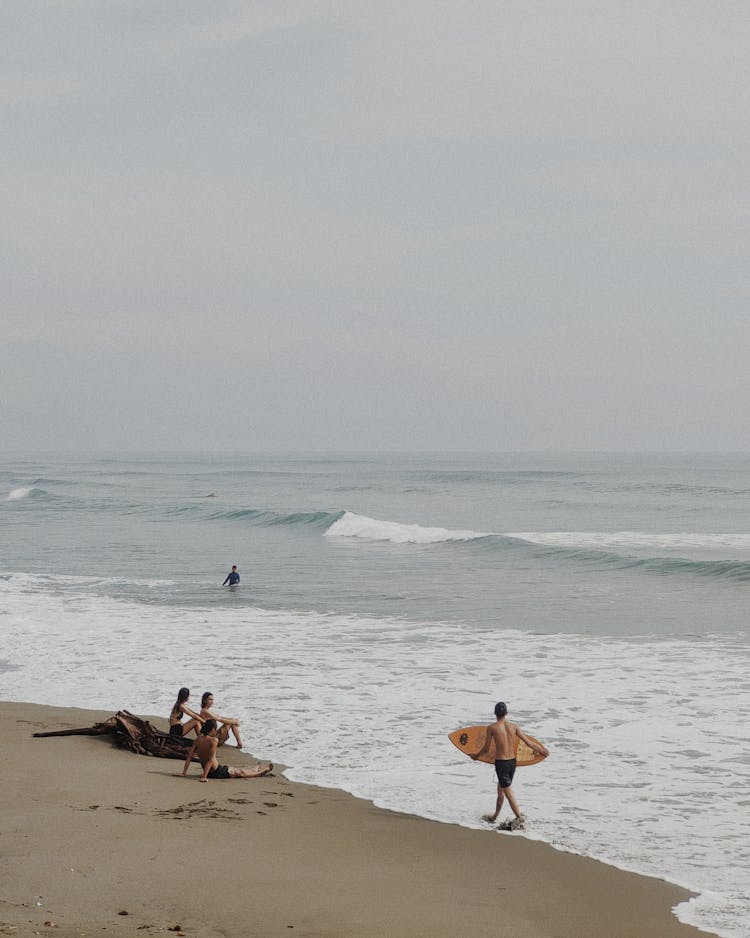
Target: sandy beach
98 839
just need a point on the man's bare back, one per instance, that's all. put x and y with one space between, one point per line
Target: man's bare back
205 748
506 738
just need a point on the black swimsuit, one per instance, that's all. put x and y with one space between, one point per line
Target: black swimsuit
506 769
176 729
221 771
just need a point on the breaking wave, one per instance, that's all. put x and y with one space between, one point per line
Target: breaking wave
16 494
32 493
618 550
370 529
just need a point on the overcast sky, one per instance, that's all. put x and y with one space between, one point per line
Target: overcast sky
374 225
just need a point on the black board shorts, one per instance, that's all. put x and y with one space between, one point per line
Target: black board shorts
221 771
176 729
505 769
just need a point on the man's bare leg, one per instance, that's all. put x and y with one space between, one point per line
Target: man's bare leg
236 771
508 792
222 734
519 821
498 805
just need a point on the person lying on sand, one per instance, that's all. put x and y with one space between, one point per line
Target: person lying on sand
205 747
226 723
180 709
505 735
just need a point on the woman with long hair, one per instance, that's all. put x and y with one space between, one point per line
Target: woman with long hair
225 723
179 710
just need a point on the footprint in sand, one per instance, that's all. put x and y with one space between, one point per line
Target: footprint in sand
182 813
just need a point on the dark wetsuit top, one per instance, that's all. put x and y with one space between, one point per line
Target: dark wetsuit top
233 579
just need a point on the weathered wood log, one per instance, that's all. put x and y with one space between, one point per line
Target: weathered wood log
96 730
133 733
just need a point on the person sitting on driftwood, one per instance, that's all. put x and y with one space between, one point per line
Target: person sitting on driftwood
205 748
225 723
181 709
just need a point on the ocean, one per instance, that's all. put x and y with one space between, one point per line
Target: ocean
388 599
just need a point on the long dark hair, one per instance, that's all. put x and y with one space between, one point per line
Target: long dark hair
182 696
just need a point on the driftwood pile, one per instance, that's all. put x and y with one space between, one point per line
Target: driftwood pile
133 733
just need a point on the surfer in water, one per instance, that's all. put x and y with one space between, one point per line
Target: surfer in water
233 578
505 736
205 746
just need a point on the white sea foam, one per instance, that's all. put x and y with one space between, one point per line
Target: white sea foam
628 542
693 545
33 582
15 494
639 776
354 525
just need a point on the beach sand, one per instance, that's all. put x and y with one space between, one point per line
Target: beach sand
92 832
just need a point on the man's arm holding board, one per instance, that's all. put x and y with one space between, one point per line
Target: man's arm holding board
536 747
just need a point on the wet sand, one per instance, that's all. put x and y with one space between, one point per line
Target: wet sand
92 832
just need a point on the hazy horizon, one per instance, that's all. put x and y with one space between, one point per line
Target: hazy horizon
316 227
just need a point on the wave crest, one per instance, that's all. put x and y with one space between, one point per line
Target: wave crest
266 517
15 494
370 529
654 553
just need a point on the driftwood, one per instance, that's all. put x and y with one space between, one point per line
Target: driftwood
133 733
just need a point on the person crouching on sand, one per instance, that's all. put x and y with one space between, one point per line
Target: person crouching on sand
506 735
179 710
205 747
225 723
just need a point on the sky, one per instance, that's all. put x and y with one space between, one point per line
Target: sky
412 225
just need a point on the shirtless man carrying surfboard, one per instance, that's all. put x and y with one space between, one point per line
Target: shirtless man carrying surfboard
506 735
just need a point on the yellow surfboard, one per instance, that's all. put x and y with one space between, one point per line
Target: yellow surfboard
470 739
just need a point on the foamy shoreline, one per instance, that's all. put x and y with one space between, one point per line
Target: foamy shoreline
93 831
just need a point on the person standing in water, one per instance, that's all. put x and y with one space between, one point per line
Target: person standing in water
233 578
505 735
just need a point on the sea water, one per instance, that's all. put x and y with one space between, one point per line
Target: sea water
386 600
